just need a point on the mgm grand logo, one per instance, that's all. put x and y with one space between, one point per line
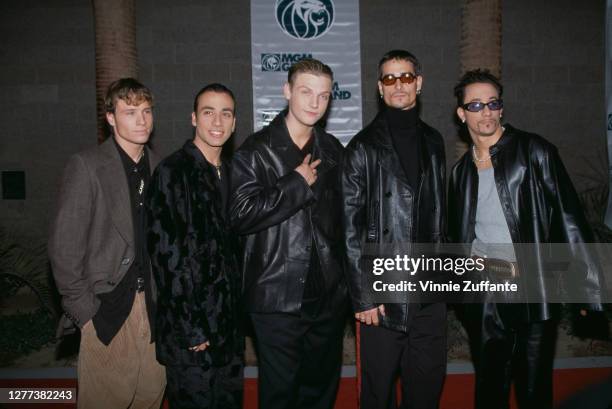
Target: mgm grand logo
305 19
281 61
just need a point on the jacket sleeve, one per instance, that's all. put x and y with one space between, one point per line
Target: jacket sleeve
257 205
568 218
172 247
68 242
354 223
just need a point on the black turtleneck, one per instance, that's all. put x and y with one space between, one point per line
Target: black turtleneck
406 138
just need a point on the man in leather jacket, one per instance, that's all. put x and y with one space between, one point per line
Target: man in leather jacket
195 261
286 203
393 189
509 188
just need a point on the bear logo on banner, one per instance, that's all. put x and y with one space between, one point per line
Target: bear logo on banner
305 19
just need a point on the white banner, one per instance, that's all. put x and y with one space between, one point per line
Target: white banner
285 31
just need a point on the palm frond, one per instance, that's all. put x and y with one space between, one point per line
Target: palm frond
23 262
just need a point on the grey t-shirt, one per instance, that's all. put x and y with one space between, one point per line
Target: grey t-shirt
493 238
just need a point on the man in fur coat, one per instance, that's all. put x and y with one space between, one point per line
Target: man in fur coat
195 265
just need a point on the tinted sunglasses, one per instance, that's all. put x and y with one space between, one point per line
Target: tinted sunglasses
478 106
404 77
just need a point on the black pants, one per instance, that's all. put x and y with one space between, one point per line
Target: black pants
300 357
418 357
505 348
197 387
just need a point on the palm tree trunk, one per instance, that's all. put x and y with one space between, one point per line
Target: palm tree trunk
481 35
115 28
481 41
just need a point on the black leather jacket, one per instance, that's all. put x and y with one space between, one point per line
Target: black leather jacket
539 203
381 208
279 213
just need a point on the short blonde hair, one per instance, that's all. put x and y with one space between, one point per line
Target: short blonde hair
309 66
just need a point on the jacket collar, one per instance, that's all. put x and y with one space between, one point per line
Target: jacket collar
110 154
112 177
280 141
192 151
382 133
508 136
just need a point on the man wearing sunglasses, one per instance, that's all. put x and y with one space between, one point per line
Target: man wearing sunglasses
511 187
393 187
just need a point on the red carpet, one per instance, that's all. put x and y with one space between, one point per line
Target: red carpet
458 390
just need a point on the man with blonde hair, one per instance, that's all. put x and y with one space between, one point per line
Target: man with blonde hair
286 202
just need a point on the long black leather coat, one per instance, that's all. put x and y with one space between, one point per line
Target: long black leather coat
195 263
279 214
380 207
539 203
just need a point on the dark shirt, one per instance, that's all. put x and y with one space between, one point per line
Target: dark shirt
406 141
315 282
116 305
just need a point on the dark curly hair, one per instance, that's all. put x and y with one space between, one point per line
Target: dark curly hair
476 76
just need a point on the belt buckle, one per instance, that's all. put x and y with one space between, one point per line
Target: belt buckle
502 269
140 284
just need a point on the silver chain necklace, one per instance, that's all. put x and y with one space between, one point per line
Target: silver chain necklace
476 158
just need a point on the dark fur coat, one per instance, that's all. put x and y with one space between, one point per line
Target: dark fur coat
193 256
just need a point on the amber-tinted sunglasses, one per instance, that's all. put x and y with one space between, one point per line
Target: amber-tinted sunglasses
404 77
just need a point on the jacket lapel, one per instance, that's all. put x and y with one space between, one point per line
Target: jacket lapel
427 155
280 141
113 181
153 159
321 151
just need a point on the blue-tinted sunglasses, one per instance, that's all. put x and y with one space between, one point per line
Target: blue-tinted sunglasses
477 106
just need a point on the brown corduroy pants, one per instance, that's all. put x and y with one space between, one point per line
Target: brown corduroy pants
124 374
